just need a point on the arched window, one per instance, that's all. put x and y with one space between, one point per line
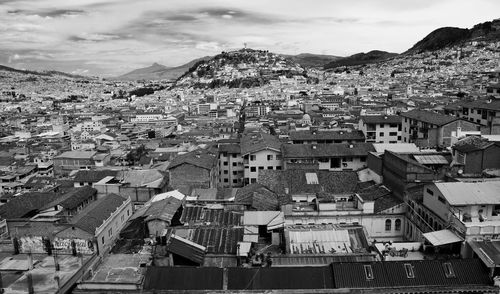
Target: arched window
397 225
388 224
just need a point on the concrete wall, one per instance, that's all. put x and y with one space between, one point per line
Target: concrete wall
109 231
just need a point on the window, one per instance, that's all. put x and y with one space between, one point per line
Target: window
269 167
128 212
441 199
235 163
110 232
261 167
393 133
410 274
382 126
234 156
225 163
399 138
253 169
278 168
368 272
235 181
270 157
252 157
102 240
226 180
235 173
279 157
226 172
388 225
335 163
448 270
399 127
253 180
397 225
381 134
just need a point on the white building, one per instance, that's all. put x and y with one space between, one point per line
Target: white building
381 128
260 151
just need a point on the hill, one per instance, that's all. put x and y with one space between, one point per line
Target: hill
46 73
449 36
360 59
159 72
312 60
242 68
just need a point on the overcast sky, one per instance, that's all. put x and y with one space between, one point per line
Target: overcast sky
111 37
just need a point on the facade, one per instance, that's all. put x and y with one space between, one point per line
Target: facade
332 157
429 130
260 151
476 154
326 137
381 128
230 165
102 221
196 169
483 112
73 160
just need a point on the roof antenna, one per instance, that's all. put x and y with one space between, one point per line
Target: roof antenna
245 45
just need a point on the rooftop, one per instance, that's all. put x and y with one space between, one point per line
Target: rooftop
381 119
429 117
326 150
459 193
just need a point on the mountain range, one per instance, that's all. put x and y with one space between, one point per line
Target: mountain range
436 40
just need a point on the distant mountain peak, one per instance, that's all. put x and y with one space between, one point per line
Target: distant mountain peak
362 58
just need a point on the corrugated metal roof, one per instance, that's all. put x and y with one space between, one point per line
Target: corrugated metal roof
186 248
215 217
261 218
280 278
488 251
458 193
442 237
183 278
431 159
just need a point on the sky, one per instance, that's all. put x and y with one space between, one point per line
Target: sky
111 37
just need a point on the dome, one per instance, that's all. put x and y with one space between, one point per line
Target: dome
306 117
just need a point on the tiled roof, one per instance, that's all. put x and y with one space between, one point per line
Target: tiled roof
383 197
326 135
94 215
343 182
429 117
200 158
326 150
163 210
483 104
24 204
472 143
254 142
217 240
258 197
381 119
93 176
73 198
77 154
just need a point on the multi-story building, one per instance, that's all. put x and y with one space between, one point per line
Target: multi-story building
484 112
332 157
73 160
326 137
260 151
429 129
147 116
381 128
230 165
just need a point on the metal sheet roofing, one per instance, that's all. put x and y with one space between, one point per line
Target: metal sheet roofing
442 237
431 159
458 193
488 252
183 278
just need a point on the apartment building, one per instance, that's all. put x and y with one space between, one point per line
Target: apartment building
381 128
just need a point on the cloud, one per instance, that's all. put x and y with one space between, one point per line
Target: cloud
48 13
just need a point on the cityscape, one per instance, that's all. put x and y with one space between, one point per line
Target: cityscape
193 147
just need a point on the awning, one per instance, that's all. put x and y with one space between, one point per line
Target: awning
244 248
442 237
488 252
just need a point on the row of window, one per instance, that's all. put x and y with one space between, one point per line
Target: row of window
254 168
449 272
388 225
269 157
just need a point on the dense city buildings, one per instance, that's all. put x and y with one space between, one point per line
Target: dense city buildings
256 171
